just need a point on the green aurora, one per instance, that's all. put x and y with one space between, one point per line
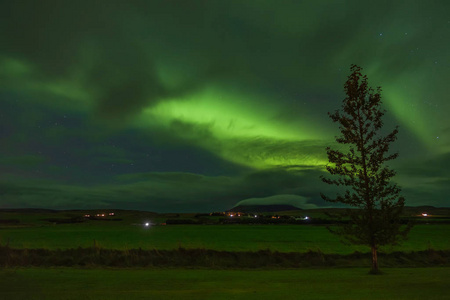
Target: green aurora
197 105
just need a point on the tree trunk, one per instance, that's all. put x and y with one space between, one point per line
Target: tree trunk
374 269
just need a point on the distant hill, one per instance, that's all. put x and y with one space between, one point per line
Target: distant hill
28 210
430 210
263 208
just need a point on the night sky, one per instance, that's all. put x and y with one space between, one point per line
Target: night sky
194 106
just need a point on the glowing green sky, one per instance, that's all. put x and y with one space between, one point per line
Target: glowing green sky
197 105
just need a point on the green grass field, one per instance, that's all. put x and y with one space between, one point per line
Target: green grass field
284 238
162 283
350 283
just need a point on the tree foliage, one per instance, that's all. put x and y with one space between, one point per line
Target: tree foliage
361 169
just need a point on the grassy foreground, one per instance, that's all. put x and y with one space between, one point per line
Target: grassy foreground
350 283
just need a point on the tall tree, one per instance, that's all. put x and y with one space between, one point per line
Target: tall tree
360 168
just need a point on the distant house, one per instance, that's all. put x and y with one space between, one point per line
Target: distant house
99 215
235 214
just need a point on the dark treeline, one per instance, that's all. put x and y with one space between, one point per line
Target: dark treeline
277 221
100 257
244 220
281 220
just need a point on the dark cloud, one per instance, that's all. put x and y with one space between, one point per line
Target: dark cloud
164 191
23 160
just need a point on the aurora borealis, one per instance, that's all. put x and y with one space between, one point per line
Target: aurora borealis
198 105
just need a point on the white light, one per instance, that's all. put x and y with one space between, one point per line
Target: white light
424 215
306 218
147 224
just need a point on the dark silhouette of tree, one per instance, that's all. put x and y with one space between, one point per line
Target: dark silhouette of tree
375 218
